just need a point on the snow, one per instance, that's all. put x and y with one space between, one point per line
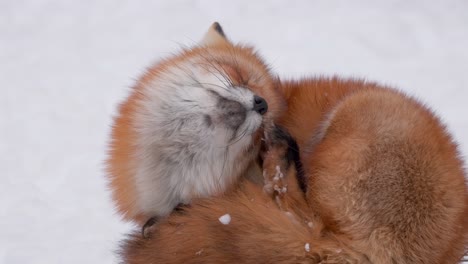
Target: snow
225 219
278 175
281 190
65 65
307 247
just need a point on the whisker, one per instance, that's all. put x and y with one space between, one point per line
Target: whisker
226 156
241 135
210 61
225 76
225 80
211 84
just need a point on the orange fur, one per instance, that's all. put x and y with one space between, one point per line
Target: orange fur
385 185
120 169
386 175
258 233
309 100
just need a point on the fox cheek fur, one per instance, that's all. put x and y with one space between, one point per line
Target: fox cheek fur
190 127
189 142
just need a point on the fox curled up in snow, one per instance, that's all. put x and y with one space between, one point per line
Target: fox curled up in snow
383 179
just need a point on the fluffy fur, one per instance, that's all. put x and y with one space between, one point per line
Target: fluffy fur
190 127
382 172
384 185
383 178
258 232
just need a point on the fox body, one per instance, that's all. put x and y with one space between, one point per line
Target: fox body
190 127
383 173
383 184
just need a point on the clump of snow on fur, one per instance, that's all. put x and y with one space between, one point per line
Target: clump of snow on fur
199 252
310 224
280 190
225 219
279 174
268 187
291 217
307 247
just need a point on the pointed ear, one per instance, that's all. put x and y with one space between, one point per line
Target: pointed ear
214 36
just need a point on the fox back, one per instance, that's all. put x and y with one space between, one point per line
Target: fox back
382 171
387 174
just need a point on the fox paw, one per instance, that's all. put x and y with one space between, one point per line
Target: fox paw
275 183
282 166
275 166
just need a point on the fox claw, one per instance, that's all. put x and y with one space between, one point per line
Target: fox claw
148 226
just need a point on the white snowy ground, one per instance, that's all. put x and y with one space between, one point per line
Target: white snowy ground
64 66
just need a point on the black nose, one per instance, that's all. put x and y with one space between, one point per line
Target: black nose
260 105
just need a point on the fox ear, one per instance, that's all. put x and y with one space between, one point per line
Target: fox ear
214 36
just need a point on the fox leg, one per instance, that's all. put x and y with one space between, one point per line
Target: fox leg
282 168
274 167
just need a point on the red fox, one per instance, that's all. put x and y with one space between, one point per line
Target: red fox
190 127
383 181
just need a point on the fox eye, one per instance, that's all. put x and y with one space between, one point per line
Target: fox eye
216 94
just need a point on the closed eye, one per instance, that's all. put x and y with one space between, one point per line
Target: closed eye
213 92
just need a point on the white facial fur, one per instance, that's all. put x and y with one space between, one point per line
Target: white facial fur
190 144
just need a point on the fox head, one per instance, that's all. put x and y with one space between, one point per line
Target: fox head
191 126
